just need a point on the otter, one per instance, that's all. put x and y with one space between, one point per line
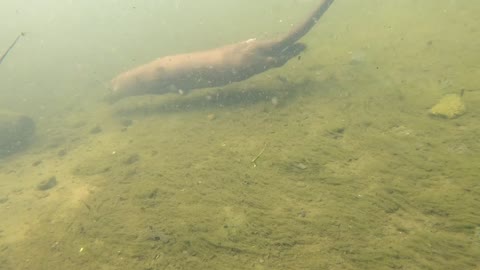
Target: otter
215 67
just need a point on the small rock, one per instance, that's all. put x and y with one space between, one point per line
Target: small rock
449 107
336 132
156 235
132 159
95 130
127 122
211 117
16 132
62 152
300 166
47 184
36 163
3 199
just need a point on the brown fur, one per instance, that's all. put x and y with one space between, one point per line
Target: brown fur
215 67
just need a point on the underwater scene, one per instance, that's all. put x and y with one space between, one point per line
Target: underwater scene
275 135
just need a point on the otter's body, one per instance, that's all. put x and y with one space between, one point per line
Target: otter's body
215 67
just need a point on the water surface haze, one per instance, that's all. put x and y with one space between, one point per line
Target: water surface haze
361 152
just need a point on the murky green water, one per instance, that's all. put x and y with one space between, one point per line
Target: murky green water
351 170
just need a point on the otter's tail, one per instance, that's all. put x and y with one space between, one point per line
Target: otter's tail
299 31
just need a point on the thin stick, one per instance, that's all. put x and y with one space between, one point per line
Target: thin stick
11 46
254 160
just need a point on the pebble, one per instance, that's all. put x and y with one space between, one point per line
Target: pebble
300 166
211 116
449 107
47 184
132 159
3 199
95 130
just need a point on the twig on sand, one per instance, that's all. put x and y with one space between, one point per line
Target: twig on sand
254 160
